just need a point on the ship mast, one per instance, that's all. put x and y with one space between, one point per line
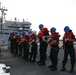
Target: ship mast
2 9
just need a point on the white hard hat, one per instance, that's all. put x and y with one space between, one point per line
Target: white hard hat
34 32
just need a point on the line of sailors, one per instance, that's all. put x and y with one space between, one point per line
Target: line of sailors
20 44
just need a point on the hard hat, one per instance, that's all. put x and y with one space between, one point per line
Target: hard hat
34 32
29 31
16 32
11 32
53 29
17 35
41 26
66 28
24 32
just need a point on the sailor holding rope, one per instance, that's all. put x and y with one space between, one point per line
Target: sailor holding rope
54 42
68 41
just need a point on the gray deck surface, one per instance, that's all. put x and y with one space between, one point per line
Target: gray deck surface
22 67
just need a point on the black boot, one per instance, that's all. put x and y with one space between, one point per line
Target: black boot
72 68
42 63
33 61
29 60
23 57
38 61
63 67
54 68
50 66
26 59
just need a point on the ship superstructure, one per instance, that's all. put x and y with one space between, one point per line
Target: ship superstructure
6 26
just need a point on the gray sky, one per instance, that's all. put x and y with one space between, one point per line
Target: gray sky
57 13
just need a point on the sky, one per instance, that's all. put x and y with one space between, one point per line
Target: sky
50 13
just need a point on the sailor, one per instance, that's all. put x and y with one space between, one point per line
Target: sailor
11 39
43 44
33 42
23 44
27 52
20 45
27 47
40 35
17 42
68 40
53 43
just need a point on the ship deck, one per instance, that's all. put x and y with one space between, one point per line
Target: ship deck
22 67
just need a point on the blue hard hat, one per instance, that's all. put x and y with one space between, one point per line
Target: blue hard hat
66 28
53 29
16 32
29 31
24 32
17 35
11 32
41 26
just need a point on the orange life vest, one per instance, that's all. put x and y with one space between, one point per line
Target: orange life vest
32 37
69 36
18 39
41 33
26 41
52 37
43 29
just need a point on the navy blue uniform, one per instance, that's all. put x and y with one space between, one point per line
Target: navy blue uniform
43 47
69 50
54 52
33 53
